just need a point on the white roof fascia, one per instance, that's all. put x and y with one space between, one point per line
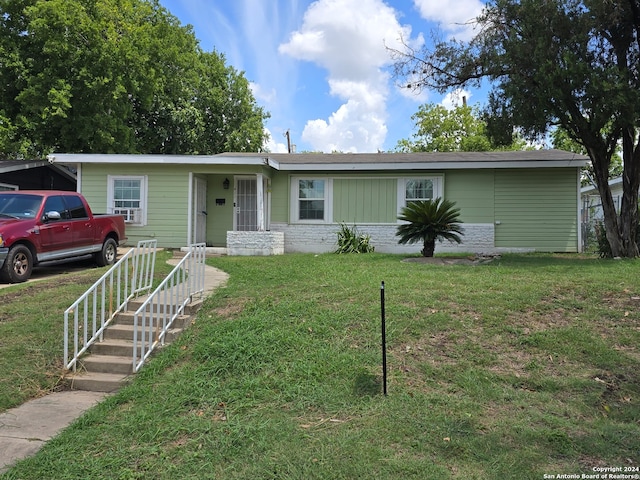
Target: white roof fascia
112 159
265 160
273 163
430 166
612 183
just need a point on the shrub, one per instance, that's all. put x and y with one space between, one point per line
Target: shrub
604 249
350 241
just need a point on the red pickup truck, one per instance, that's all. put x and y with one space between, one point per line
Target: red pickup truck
42 226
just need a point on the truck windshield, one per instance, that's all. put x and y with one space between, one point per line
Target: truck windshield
14 205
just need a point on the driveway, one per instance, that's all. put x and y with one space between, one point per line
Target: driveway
51 270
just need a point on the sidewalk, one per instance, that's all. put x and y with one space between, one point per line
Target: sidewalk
24 429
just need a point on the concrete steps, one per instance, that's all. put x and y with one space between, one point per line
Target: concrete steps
97 382
109 364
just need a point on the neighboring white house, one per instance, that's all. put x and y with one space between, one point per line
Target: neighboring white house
591 205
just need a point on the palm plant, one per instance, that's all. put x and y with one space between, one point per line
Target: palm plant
428 221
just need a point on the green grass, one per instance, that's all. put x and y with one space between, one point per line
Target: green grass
526 366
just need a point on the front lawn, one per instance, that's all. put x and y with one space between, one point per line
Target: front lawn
526 366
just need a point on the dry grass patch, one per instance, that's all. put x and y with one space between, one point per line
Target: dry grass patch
437 349
232 308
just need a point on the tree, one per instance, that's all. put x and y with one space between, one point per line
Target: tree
568 63
229 107
115 76
443 130
428 221
460 129
561 140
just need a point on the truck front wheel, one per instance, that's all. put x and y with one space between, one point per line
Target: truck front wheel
18 265
108 254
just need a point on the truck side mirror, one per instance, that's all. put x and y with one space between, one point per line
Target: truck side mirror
52 215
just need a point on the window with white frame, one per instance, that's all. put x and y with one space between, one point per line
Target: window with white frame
311 200
417 189
127 196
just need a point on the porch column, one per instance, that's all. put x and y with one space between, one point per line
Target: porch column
260 202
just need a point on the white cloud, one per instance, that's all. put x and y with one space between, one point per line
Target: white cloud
267 96
455 16
272 146
456 98
348 38
357 126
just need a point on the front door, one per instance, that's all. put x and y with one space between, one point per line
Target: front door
246 203
200 207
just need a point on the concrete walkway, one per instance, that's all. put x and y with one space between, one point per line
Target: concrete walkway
24 429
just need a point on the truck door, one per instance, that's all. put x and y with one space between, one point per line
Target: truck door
55 235
81 226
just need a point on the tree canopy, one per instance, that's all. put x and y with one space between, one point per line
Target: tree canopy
561 140
568 63
116 76
460 129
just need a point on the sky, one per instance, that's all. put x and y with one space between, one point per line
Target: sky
322 68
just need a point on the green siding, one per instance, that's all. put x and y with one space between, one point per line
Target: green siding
280 197
167 200
365 200
473 192
374 199
537 208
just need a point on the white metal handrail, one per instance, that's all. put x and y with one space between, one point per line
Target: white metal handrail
95 309
156 315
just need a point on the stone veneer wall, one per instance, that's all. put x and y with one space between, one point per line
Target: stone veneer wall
477 238
255 243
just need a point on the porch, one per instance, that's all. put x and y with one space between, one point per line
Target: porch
231 214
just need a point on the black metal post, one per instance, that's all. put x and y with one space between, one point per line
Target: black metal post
384 341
